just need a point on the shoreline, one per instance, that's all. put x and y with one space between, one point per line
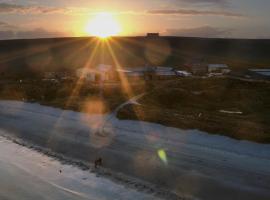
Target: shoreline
199 164
117 177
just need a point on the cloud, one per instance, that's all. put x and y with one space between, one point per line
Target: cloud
5 35
38 33
8 31
6 26
15 8
193 12
204 31
206 1
215 3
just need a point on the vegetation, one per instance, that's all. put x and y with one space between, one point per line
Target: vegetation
26 58
84 97
198 104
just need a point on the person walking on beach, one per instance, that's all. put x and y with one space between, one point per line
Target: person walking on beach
98 162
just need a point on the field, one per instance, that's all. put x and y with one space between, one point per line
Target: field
83 97
223 106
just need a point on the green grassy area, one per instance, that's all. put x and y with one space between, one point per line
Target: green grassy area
196 104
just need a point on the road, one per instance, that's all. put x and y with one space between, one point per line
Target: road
189 162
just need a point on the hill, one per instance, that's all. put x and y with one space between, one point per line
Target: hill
34 56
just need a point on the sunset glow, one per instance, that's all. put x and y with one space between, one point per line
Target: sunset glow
103 25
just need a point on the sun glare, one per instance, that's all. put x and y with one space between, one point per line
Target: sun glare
103 25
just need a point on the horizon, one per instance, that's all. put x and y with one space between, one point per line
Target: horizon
238 19
131 36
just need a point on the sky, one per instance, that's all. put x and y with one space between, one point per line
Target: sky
195 18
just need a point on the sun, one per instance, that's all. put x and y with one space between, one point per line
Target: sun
103 25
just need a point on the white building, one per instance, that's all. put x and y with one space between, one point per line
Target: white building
259 73
183 73
218 68
100 73
86 73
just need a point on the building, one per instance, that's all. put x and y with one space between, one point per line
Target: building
152 35
218 68
149 73
198 68
100 73
263 74
164 72
182 73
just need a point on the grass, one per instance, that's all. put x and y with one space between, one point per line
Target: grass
189 103
87 98
196 104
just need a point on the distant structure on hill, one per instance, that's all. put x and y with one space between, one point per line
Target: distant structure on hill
152 35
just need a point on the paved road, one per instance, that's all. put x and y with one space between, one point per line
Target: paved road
188 162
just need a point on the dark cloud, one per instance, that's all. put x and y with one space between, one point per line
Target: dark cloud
5 35
222 3
193 12
14 8
8 31
6 26
207 1
38 33
204 31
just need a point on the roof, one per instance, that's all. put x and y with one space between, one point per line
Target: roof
183 72
218 66
267 73
263 72
102 67
163 68
166 73
260 70
86 70
138 69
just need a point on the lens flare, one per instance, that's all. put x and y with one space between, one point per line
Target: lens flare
163 156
